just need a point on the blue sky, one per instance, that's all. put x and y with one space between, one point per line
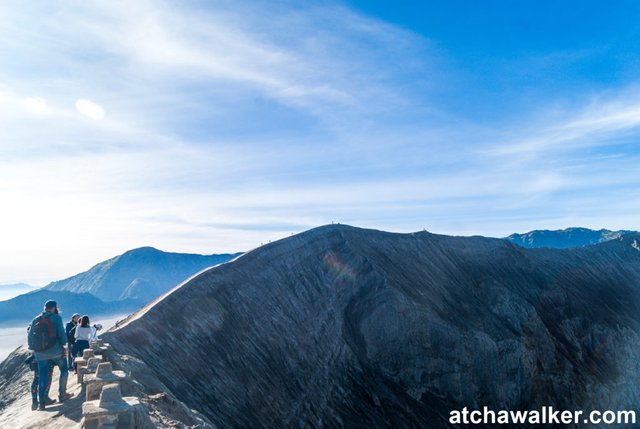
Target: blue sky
214 126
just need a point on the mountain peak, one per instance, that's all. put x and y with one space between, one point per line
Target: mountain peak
143 249
330 227
143 273
370 314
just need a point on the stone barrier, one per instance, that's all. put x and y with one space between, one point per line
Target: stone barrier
105 408
104 375
82 360
100 347
92 366
111 410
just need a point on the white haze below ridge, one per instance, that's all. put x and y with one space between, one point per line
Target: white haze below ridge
13 290
13 337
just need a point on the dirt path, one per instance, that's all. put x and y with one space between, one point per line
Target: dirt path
18 414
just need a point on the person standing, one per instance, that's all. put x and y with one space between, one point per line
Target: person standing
33 365
48 340
70 329
85 333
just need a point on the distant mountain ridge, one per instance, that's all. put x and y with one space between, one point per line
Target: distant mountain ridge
141 274
565 238
23 308
16 286
118 285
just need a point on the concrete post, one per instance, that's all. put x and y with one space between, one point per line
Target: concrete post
104 375
99 346
111 410
92 366
81 362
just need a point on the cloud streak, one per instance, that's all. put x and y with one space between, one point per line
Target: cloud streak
215 128
594 125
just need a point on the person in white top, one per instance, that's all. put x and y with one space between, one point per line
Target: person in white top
85 333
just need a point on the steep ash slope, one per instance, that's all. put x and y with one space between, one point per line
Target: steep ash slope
342 326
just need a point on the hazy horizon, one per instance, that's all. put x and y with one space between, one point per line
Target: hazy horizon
36 284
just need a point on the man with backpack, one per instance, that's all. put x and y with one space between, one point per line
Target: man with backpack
47 338
70 330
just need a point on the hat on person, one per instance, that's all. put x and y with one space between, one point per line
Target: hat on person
75 315
50 304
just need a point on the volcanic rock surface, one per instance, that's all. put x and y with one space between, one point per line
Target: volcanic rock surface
347 327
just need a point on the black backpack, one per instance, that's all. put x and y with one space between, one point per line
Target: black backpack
42 336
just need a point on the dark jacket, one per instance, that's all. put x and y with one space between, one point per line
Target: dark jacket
70 337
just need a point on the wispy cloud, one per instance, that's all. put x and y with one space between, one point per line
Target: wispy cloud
596 124
217 127
110 115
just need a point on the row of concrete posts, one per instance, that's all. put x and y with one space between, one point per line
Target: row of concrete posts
104 407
